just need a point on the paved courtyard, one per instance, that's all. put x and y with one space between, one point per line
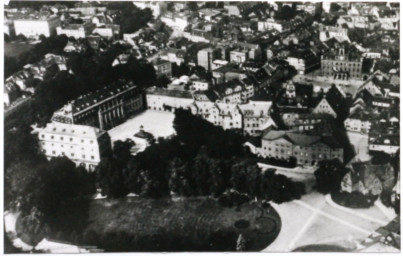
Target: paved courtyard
156 122
321 222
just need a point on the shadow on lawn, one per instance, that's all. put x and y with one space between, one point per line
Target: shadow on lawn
192 224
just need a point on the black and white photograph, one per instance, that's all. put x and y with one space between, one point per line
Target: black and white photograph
217 126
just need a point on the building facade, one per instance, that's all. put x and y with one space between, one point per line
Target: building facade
84 145
341 63
34 26
168 100
104 108
307 149
162 67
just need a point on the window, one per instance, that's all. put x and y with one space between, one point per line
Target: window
61 138
42 136
92 157
52 137
83 156
71 139
54 152
72 154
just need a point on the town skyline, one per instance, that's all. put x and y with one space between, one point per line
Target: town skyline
140 126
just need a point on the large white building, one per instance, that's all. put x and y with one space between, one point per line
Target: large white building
82 144
32 26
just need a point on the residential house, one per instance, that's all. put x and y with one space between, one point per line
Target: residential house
307 149
389 144
333 103
162 67
304 61
255 116
168 100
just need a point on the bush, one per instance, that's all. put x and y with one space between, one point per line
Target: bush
354 199
233 198
291 163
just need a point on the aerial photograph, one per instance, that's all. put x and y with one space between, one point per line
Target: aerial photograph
217 126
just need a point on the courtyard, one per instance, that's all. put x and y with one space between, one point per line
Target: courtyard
157 123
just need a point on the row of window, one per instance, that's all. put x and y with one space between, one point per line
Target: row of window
71 155
52 137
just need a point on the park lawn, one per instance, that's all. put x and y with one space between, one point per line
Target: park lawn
16 49
189 224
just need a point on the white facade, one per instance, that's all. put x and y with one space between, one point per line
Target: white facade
271 24
82 144
72 32
357 125
389 149
178 23
33 28
167 102
199 85
324 108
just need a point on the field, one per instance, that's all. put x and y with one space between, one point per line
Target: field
191 224
15 49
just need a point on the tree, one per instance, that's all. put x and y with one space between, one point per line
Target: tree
329 176
334 7
129 17
180 178
279 188
240 243
110 171
162 81
34 226
245 177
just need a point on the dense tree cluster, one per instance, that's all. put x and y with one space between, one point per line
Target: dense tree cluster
201 160
53 44
46 192
329 176
129 17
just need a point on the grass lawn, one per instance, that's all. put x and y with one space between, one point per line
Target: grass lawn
15 49
134 224
353 200
191 224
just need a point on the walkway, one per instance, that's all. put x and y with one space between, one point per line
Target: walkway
315 220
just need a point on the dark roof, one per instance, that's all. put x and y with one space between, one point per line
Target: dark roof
169 93
335 99
90 99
